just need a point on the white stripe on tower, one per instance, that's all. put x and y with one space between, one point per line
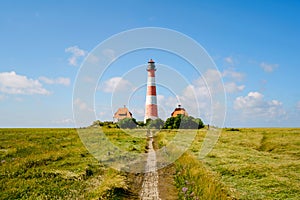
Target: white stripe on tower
151 100
151 81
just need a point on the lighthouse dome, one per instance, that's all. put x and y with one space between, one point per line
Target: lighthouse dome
151 65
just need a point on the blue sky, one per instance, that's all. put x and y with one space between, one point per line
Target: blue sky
255 45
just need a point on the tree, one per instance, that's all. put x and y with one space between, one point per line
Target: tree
127 123
177 121
199 122
156 123
169 123
183 122
141 123
97 123
148 121
188 122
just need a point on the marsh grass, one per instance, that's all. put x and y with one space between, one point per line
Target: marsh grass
257 163
54 164
128 139
192 178
195 181
261 163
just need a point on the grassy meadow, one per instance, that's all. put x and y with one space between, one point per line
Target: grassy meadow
260 163
253 163
54 164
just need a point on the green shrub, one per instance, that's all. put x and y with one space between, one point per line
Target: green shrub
156 123
183 122
127 123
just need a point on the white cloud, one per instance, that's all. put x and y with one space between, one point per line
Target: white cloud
76 53
160 98
81 105
12 83
105 116
254 105
116 84
138 112
213 78
252 100
232 87
268 67
93 59
64 121
196 98
105 55
210 83
166 105
105 112
83 112
59 80
229 60
233 74
109 53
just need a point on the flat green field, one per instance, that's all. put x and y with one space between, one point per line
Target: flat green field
54 164
247 163
260 163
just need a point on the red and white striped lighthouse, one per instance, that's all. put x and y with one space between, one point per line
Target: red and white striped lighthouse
151 100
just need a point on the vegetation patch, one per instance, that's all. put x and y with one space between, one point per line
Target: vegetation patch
232 129
192 178
54 164
260 163
194 181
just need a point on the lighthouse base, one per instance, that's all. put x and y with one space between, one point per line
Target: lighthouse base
150 117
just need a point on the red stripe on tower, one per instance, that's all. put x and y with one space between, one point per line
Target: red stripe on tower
151 90
152 109
151 73
151 100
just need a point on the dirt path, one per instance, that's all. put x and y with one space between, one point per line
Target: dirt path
150 183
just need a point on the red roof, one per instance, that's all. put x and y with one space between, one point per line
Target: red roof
180 111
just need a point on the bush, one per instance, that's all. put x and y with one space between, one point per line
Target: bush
97 123
183 122
141 124
232 129
127 123
156 123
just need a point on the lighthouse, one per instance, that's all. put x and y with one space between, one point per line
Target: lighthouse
151 100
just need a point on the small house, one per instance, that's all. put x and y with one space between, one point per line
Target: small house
179 111
122 113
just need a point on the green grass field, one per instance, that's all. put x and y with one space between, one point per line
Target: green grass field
260 163
54 164
244 164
